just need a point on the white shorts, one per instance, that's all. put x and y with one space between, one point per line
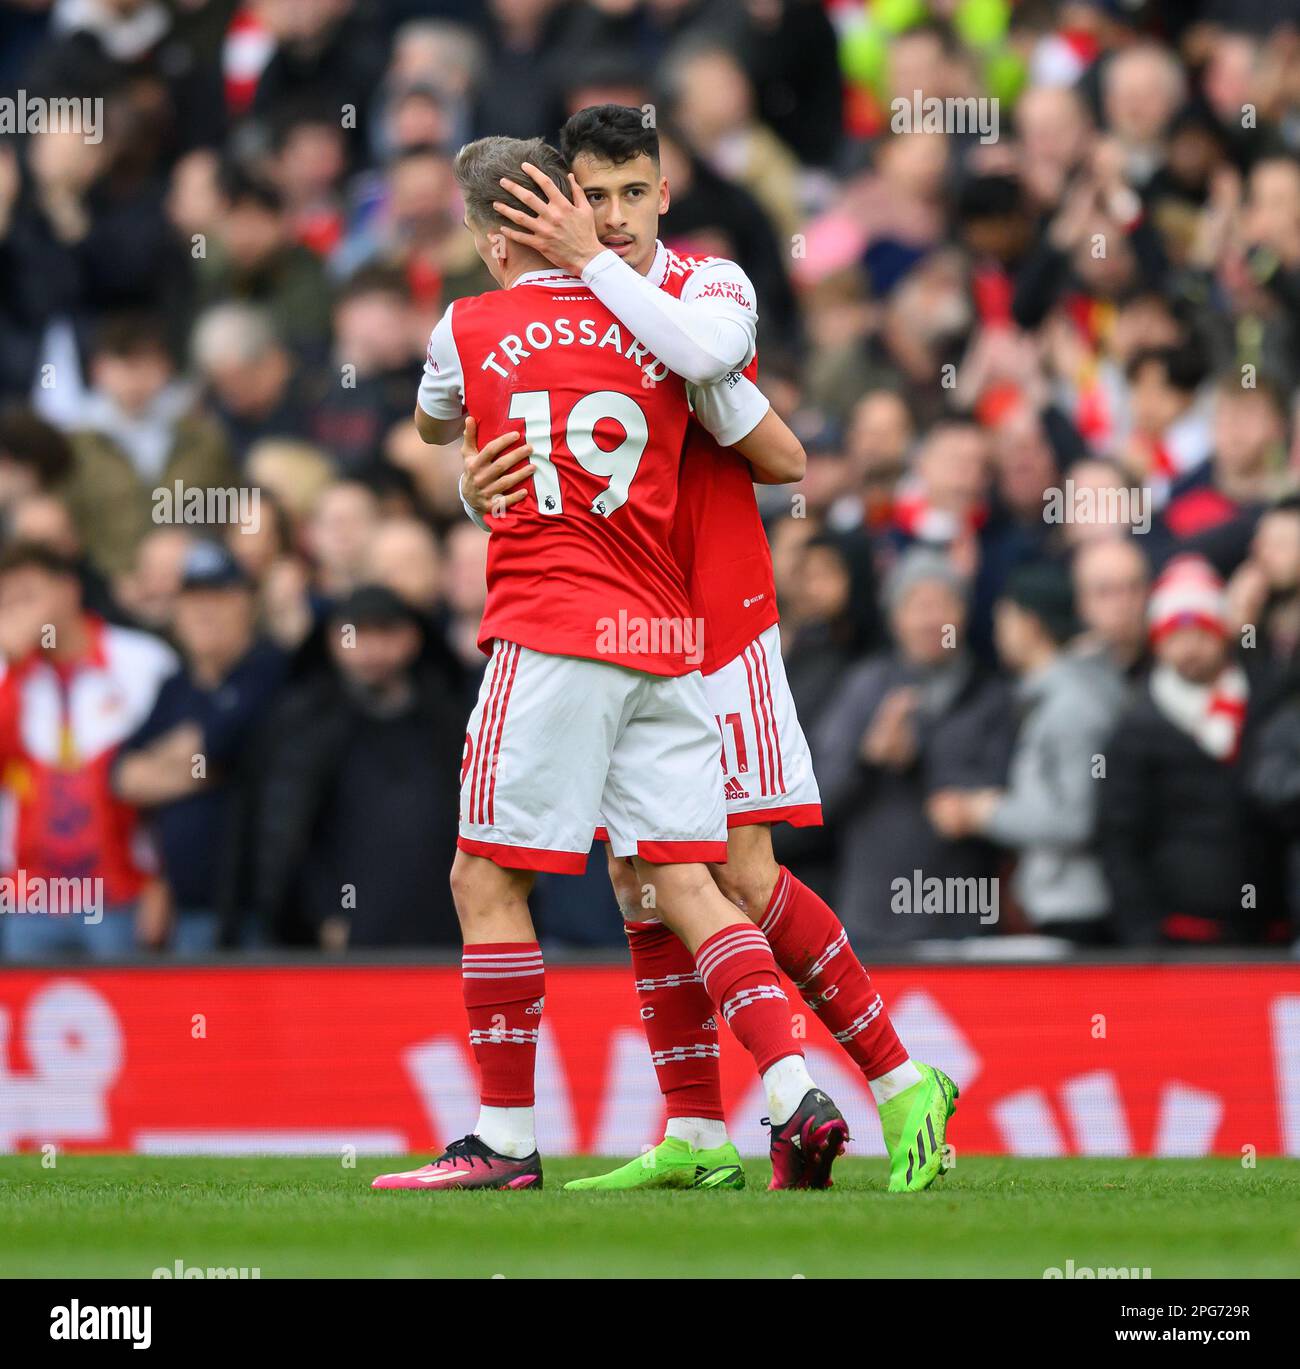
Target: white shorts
554 742
767 771
766 764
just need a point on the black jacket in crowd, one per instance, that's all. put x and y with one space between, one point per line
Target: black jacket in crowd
1190 858
356 815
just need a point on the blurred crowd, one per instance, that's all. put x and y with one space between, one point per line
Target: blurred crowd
1040 587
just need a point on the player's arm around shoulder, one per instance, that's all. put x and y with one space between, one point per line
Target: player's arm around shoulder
720 278
488 484
775 453
751 426
738 415
702 334
719 290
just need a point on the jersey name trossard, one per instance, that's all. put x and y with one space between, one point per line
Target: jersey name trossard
582 566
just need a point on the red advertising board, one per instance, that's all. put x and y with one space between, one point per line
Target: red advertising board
1088 1060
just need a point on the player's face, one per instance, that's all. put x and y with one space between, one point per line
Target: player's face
627 200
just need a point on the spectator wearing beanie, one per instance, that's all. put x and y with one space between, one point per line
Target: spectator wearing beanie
1187 857
1047 814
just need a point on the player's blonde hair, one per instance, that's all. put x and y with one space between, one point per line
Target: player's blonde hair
480 165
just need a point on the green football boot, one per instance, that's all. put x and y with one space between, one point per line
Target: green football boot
673 1163
915 1123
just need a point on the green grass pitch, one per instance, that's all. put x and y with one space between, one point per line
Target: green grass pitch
125 1216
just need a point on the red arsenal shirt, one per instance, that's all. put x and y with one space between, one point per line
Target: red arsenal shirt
718 537
582 566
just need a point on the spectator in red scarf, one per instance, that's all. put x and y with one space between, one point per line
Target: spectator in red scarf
1188 860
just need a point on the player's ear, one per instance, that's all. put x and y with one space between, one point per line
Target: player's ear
498 245
664 197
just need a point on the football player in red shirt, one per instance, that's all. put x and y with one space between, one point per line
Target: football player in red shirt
699 317
593 706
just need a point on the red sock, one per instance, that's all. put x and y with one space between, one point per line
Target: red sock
505 987
739 974
812 947
677 1015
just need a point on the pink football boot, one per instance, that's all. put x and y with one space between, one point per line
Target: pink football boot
468 1163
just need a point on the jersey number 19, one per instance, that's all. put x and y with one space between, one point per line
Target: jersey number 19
618 465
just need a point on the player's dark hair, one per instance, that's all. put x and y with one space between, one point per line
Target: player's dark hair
610 133
480 167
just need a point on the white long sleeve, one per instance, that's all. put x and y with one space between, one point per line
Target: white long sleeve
442 383
730 409
706 334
